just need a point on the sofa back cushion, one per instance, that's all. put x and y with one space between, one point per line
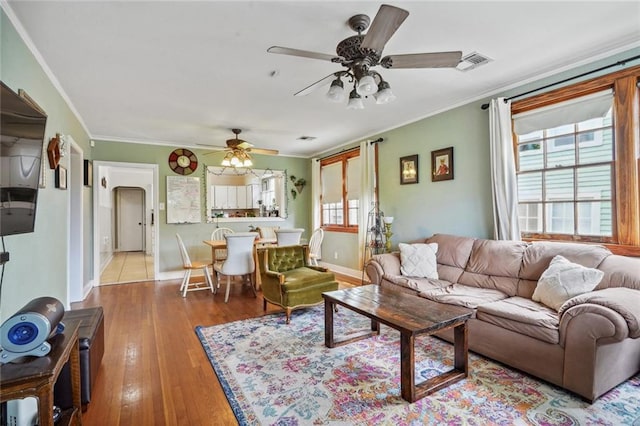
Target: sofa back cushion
538 255
453 255
494 264
620 271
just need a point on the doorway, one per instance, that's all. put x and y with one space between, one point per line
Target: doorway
125 197
130 223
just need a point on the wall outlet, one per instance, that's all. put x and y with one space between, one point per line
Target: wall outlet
335 254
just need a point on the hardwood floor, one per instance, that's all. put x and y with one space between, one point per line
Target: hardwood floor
154 370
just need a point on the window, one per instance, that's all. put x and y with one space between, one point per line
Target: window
340 180
559 179
577 163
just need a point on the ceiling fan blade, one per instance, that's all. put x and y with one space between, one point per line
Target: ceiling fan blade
422 60
303 53
263 151
243 144
322 82
384 25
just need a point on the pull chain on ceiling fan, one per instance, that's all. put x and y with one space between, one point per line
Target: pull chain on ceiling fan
360 53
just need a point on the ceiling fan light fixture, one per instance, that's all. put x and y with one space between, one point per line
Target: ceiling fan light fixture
247 162
384 94
367 85
355 100
336 91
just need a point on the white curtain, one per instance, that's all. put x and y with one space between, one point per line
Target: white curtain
367 195
504 188
316 189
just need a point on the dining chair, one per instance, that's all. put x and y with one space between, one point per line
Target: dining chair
188 267
288 237
218 235
315 244
240 260
267 235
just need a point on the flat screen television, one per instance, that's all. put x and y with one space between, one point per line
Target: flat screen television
22 129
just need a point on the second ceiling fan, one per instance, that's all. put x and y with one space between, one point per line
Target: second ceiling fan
360 53
238 150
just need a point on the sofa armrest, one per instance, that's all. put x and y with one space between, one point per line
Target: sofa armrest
381 265
625 302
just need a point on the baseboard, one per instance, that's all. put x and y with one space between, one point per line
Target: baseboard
343 270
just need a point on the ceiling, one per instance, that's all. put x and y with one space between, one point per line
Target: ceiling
184 73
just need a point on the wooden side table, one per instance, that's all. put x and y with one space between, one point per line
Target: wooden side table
37 376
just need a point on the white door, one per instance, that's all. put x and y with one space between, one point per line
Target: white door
130 219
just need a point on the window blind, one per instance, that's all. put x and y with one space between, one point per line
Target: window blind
353 178
568 112
331 176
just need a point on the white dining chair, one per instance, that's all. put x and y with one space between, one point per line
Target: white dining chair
315 244
218 235
240 260
288 237
188 267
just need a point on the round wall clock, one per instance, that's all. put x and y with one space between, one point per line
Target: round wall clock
183 162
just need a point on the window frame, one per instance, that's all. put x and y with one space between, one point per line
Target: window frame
626 181
342 158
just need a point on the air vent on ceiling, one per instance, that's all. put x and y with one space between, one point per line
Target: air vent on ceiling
473 60
306 138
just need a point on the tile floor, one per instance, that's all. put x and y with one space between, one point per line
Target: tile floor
128 267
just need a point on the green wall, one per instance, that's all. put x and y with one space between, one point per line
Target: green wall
38 264
169 257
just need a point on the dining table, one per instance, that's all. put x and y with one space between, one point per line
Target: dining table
258 244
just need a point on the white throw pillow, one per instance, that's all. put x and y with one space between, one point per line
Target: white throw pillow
563 280
419 260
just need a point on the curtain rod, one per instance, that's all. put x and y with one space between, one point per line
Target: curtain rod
348 149
619 63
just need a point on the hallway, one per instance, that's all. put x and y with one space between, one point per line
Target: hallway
128 266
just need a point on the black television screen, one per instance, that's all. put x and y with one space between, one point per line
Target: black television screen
22 128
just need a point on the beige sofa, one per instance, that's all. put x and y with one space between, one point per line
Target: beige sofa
588 346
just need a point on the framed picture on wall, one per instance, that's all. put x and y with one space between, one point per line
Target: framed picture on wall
442 164
409 169
61 177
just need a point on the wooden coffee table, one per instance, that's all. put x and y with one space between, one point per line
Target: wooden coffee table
411 316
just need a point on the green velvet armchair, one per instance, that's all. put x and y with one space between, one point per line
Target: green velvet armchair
289 281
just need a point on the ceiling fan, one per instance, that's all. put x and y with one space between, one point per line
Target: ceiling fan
360 53
237 152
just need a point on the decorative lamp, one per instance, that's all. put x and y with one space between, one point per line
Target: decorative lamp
384 94
336 91
355 101
367 85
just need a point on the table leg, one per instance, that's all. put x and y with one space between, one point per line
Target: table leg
45 405
258 278
461 348
328 323
407 367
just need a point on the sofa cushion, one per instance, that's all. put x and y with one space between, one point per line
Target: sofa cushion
522 316
419 260
620 271
304 276
563 280
494 264
453 255
462 295
538 255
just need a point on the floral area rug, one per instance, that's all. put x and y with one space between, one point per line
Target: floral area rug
278 374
